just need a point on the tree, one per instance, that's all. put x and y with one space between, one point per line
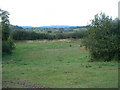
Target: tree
103 38
7 43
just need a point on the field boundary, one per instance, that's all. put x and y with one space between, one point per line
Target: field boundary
45 41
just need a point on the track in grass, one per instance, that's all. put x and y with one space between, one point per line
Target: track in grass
24 84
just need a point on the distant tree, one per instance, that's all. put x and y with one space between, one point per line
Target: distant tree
62 29
7 43
13 27
49 31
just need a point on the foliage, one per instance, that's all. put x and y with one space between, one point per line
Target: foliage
15 27
103 38
31 35
7 43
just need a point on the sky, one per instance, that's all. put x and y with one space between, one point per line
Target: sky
57 12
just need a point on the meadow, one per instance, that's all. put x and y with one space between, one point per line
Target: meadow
56 64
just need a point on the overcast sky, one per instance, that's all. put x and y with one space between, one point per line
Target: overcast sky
57 12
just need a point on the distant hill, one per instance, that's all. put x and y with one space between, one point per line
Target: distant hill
54 26
27 27
57 26
15 27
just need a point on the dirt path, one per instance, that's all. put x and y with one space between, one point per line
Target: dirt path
20 84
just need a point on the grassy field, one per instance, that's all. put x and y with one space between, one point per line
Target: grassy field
57 65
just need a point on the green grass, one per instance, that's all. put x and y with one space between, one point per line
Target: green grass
57 65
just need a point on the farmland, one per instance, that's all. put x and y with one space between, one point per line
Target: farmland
56 64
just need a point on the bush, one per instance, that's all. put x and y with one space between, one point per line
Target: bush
7 43
7 46
103 38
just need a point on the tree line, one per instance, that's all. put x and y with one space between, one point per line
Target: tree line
32 35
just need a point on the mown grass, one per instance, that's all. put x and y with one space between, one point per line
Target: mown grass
57 65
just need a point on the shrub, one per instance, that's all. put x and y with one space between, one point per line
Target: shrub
7 43
103 38
7 46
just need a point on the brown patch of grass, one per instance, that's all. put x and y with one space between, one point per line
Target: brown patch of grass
43 41
82 48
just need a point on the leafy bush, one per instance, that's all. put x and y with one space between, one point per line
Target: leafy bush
7 43
7 46
103 38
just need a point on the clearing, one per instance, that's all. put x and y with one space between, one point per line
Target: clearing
56 64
